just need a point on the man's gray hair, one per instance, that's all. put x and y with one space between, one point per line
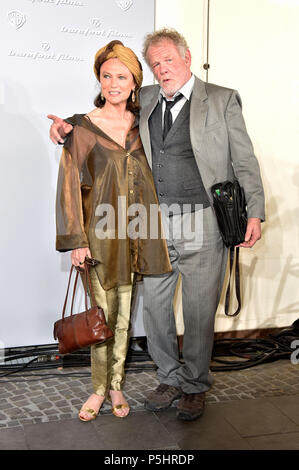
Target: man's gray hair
164 34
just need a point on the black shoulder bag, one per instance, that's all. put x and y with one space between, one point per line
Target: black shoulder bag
230 208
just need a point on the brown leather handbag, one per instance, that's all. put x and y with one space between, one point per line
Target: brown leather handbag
82 329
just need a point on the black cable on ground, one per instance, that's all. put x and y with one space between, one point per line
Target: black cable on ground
251 352
254 351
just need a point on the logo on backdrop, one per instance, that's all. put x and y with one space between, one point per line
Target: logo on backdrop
97 31
96 22
45 54
124 4
70 3
16 18
46 46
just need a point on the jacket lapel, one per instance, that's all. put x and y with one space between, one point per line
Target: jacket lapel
198 115
146 110
198 112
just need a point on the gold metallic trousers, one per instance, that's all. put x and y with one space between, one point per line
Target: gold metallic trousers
108 359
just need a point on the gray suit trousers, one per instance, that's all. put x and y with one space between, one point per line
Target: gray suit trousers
201 262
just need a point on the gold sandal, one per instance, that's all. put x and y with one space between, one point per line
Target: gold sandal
92 412
119 407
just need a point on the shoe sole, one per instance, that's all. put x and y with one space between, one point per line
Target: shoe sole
148 406
187 417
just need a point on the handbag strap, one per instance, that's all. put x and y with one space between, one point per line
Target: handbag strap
87 282
232 252
67 291
74 290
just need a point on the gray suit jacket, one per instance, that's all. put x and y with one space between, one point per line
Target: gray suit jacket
219 139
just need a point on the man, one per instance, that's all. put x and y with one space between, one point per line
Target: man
194 136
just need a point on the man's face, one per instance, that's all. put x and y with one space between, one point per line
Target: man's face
171 70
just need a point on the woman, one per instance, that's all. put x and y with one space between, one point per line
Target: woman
103 171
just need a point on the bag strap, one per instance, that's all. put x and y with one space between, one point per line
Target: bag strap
74 290
232 252
88 262
88 282
85 284
67 291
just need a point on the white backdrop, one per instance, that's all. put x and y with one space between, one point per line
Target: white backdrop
47 49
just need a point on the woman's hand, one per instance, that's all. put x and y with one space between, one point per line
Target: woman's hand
78 256
59 129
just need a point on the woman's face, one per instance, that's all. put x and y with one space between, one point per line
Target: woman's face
116 80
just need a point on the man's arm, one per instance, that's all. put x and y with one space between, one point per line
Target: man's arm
246 169
245 164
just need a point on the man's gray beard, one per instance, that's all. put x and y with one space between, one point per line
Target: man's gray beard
170 93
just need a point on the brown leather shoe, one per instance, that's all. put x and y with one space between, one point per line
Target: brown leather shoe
191 406
162 397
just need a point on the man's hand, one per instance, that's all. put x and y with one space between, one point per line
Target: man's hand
78 256
253 232
59 129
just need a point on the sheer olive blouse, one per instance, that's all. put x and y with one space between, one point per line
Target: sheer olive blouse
98 182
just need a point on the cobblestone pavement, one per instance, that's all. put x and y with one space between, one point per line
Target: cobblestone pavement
44 397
